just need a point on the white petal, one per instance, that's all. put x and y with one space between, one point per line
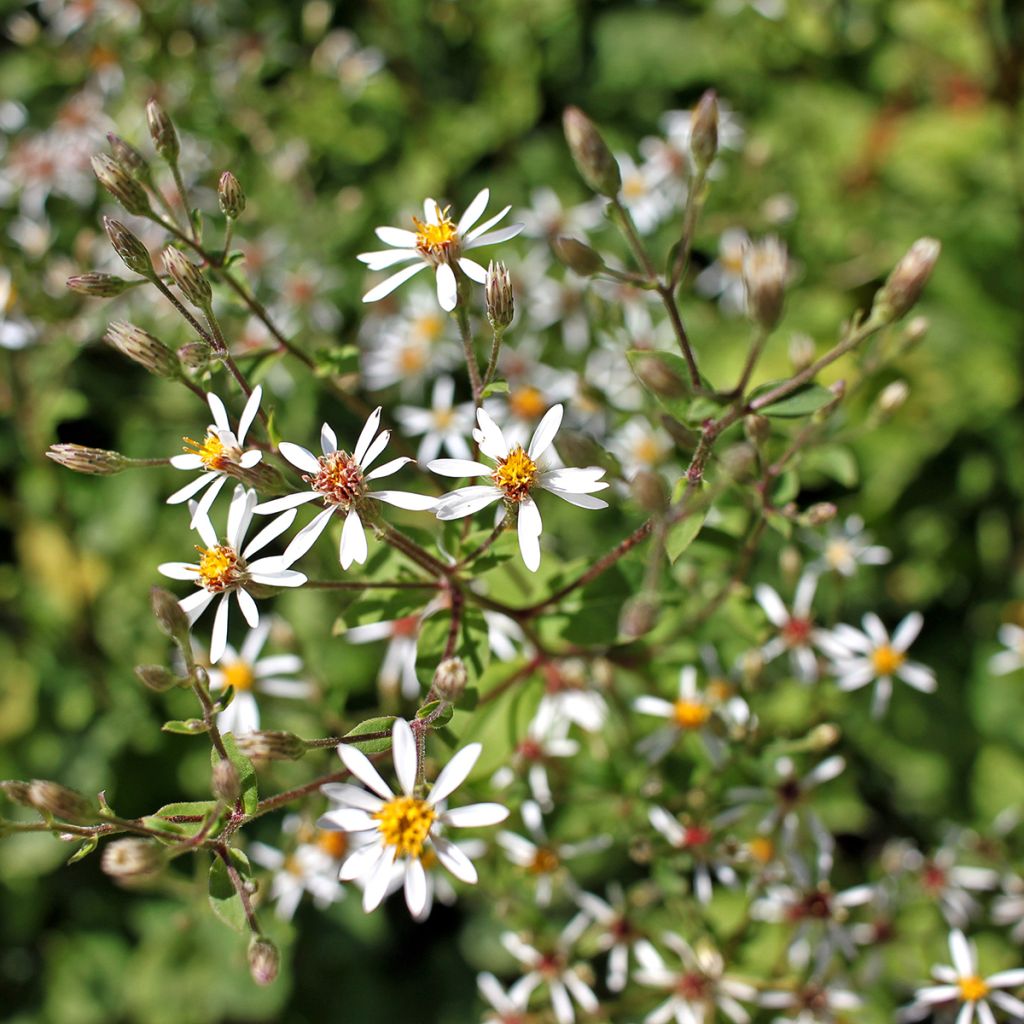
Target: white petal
366 435
286 502
301 458
917 676
179 570
398 237
250 458
481 228
195 604
772 604
580 500
545 432
530 528
352 796
362 768
454 860
328 439
202 508
307 536
648 705
493 237
415 887
403 751
353 541
381 259
188 461
377 884
394 281
473 270
447 287
465 501
575 481
454 773
492 441
407 500
349 819
249 412
390 467
272 530
475 815
360 864
220 414
378 445
248 608
219 637
458 467
192 488
906 632
473 211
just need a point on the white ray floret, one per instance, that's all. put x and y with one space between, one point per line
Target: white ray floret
517 472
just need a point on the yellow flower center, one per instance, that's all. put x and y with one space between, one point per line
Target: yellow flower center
293 866
443 418
212 451
405 823
429 326
838 552
634 187
428 859
239 676
527 403
340 479
691 714
886 660
720 690
335 844
732 260
515 474
411 359
647 450
438 242
762 849
219 568
972 989
544 862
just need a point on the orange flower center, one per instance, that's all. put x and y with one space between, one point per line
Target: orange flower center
515 474
239 676
527 403
340 479
972 988
691 714
220 568
212 451
545 862
335 844
437 242
885 660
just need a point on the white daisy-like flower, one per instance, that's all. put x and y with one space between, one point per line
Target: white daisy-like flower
505 1007
404 827
437 242
961 985
795 628
552 968
950 884
690 712
567 696
15 331
218 453
439 889
1008 907
811 1004
649 196
443 425
640 446
859 658
699 987
618 934
698 839
723 279
547 218
248 674
1012 638
845 547
338 480
678 128
504 635
225 569
516 474
312 867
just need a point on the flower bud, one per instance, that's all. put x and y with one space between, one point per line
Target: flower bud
188 277
801 351
892 397
99 286
121 185
93 461
757 428
498 296
161 131
739 460
129 158
577 256
591 155
916 329
764 277
823 736
820 513
17 792
230 196
156 678
141 347
195 355
450 680
639 616
132 858
649 491
264 960
704 131
905 284
133 253
660 378
271 746
225 782
54 799
169 615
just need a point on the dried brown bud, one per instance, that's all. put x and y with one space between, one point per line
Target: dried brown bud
801 351
820 513
893 396
99 286
121 185
757 428
704 131
161 131
141 347
577 256
230 196
271 746
639 616
60 802
225 782
264 960
450 680
188 277
94 461
169 616
133 253
739 460
17 792
592 156
649 490
905 284
132 858
765 270
156 678
660 378
499 298
129 158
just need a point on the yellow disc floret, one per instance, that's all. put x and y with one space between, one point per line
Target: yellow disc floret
515 474
220 568
438 242
690 714
239 676
885 660
545 862
211 451
334 844
405 823
527 403
972 988
340 479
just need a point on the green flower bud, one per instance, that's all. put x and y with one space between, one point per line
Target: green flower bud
141 347
271 746
704 131
99 286
450 680
133 253
264 960
54 799
161 131
765 270
156 678
93 461
230 196
132 858
129 158
169 616
498 295
121 185
577 256
226 784
905 284
188 277
590 153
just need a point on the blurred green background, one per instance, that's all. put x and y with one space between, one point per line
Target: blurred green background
873 122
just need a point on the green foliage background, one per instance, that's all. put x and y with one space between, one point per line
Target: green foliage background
883 120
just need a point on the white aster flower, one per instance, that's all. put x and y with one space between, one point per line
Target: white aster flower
439 889
516 474
723 279
961 985
439 243
649 196
812 1004
950 884
443 425
312 867
699 841
339 481
845 547
546 217
795 628
640 446
217 454
503 635
225 569
567 696
859 658
690 712
552 968
15 331
406 827
1008 907
247 674
505 1007
618 934
698 988
1012 638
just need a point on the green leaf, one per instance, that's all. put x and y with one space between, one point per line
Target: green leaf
225 698
442 719
835 461
377 745
84 850
235 256
682 534
780 524
802 402
246 772
224 898
187 809
675 396
496 387
185 727
337 362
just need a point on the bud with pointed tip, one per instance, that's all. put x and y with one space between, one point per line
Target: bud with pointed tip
93 461
98 286
54 799
591 154
765 269
161 131
230 196
498 295
649 491
133 253
577 256
169 615
893 396
639 616
704 131
450 680
196 355
156 678
820 513
130 158
905 284
17 792
188 277
141 347
132 858
264 960
801 351
660 378
225 783
271 746
121 185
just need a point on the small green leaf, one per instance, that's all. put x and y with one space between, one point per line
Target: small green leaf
337 362
84 850
802 402
185 727
225 698
373 725
496 387
835 461
246 772
780 524
224 898
682 534
442 719
235 256
185 809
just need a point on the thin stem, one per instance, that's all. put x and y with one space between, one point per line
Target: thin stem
413 551
287 796
492 363
760 338
173 299
179 184
465 331
484 545
633 238
669 302
458 606
390 585
239 885
694 204
228 232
